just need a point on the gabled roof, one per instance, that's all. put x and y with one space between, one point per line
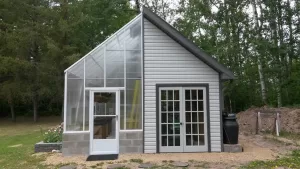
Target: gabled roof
187 44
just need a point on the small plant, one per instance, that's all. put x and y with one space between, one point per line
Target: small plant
136 160
53 135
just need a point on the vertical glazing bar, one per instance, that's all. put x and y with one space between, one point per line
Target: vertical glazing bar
83 123
104 65
65 101
125 81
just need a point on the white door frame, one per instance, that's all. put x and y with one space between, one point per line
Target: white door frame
91 120
183 147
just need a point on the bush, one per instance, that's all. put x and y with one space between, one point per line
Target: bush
53 135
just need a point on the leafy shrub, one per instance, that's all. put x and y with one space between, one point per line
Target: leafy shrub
53 135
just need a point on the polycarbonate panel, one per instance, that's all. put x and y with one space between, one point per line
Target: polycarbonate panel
114 68
133 104
75 101
133 64
94 69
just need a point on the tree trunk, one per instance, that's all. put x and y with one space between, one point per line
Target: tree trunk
259 59
12 111
262 82
35 109
278 91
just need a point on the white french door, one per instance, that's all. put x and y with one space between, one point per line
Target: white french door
182 119
104 122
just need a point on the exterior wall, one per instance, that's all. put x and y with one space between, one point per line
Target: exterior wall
76 144
131 142
165 61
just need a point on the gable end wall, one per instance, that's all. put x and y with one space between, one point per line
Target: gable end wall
166 61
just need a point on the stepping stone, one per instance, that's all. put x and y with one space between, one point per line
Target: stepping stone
180 164
146 165
114 166
68 167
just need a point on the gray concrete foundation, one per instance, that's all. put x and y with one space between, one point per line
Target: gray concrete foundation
131 142
76 144
233 148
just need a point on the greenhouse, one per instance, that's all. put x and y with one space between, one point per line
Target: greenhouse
135 92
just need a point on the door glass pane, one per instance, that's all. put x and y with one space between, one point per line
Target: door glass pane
170 118
104 126
188 129
187 95
187 117
163 129
176 106
194 94
195 140
170 106
201 140
187 106
104 104
170 129
200 105
200 117
177 140
195 128
170 94
194 105
194 116
170 141
164 117
163 106
201 128
164 140
200 94
176 94
188 140
163 95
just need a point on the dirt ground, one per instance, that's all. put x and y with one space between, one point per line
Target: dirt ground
289 119
255 148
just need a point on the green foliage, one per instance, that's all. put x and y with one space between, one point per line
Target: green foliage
53 135
292 161
40 39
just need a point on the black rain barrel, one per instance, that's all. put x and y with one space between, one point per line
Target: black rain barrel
230 129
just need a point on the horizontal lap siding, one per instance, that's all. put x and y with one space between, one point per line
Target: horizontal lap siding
165 61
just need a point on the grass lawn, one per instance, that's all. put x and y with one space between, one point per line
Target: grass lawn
17 142
291 161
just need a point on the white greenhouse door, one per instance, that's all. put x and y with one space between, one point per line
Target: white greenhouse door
104 122
182 119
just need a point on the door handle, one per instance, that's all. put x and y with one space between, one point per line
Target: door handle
180 123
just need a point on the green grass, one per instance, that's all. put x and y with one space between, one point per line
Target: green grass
17 142
291 161
289 135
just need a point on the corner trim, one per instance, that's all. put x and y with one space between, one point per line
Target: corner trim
221 98
206 85
143 81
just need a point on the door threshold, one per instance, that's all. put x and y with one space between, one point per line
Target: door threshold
102 157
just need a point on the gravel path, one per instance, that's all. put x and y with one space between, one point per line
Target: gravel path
252 151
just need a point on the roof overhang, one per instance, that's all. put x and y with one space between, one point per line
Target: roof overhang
226 74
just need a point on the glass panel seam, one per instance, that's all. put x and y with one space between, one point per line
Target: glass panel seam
83 118
125 85
65 102
104 65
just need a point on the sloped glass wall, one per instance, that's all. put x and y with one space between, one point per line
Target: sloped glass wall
115 63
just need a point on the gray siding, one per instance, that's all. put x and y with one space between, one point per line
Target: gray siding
165 61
